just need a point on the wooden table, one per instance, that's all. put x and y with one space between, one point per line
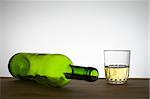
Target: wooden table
18 89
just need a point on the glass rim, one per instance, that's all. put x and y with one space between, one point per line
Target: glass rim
118 50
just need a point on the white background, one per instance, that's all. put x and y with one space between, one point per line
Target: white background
80 29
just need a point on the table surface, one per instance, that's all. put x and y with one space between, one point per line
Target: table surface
19 89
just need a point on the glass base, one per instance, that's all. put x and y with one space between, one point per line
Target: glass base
116 82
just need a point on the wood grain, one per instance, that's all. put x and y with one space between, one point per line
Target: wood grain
19 89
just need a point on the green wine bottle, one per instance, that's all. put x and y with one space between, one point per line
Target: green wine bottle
49 69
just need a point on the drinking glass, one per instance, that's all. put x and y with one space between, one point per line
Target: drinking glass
117 63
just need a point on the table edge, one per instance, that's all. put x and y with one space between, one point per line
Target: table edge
98 78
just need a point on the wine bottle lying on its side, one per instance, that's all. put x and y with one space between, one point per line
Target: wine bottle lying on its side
49 69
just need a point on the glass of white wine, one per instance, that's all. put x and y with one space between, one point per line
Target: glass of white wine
117 63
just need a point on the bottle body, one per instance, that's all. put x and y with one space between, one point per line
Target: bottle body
47 69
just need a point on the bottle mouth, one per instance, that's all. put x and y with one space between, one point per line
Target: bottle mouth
92 74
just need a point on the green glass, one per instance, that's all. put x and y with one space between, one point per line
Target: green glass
49 69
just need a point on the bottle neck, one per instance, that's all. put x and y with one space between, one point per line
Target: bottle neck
83 73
